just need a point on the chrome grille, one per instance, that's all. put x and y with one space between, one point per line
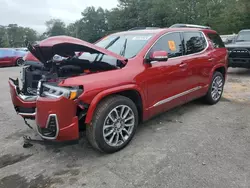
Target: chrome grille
239 53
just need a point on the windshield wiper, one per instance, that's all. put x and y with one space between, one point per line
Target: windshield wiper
109 44
122 53
112 42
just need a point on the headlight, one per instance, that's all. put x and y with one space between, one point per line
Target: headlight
72 93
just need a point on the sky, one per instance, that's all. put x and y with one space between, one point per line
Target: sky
34 13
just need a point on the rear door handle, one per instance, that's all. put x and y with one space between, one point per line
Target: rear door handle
182 65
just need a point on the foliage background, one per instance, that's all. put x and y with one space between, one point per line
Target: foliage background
224 16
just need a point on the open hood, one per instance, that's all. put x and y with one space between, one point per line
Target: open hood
66 46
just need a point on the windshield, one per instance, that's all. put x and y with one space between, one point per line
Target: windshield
126 45
243 36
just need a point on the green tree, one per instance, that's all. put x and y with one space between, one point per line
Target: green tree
14 35
4 42
92 25
73 29
225 16
55 27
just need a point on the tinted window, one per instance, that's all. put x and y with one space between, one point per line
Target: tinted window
216 40
194 42
170 43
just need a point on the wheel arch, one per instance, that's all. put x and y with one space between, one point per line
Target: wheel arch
17 59
222 70
131 91
219 68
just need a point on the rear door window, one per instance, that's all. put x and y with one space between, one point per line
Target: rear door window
195 42
170 43
216 40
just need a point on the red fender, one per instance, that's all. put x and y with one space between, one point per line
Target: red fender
216 67
111 91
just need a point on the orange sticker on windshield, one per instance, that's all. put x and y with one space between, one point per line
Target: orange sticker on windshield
171 45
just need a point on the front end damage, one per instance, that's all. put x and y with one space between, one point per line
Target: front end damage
37 95
57 119
25 105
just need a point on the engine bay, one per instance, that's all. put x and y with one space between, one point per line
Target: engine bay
56 71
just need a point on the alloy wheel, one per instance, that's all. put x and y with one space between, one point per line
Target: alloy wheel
19 62
217 88
118 125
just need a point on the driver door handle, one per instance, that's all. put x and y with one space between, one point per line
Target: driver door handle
183 65
211 59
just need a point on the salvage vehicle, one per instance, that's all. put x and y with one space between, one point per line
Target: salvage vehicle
239 50
123 79
11 57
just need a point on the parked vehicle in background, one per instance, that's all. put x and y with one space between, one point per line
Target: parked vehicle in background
11 57
22 49
123 79
227 39
239 50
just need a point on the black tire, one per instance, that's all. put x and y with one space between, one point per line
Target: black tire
94 130
209 98
19 62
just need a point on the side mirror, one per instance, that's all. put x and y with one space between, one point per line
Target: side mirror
158 56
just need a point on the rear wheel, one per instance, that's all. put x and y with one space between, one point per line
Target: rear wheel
19 62
114 124
215 91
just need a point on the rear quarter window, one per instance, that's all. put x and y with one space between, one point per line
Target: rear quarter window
216 40
195 42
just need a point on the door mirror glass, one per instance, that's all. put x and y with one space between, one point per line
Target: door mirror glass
158 56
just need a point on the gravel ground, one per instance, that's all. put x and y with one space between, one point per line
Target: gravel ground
194 145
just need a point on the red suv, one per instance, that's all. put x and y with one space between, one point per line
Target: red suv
121 80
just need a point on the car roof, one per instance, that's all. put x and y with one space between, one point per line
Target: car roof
162 30
7 49
245 30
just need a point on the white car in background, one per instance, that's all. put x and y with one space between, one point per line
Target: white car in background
227 39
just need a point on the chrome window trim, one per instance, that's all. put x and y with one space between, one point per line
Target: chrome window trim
176 96
181 32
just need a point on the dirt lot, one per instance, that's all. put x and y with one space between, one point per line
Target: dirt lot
191 146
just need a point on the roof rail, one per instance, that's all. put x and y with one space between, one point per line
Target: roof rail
189 26
141 28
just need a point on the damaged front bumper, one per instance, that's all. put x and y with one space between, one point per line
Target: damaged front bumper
56 119
24 105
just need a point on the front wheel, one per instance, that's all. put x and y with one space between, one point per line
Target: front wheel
19 62
114 124
215 91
